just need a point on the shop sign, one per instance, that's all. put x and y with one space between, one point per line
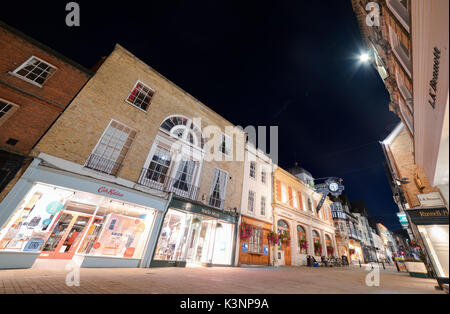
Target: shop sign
202 210
109 191
403 219
265 250
430 199
429 216
435 76
245 247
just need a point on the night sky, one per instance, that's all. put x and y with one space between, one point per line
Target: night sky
293 64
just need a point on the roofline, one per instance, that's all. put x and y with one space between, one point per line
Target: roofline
118 46
45 48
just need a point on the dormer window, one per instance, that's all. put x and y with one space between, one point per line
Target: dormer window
35 71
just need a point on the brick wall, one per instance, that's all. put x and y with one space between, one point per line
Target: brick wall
74 136
38 106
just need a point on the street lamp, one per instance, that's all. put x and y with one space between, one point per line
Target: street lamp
364 57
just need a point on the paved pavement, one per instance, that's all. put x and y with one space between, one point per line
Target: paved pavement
204 280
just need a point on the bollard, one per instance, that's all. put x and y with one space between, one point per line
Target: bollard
359 263
383 265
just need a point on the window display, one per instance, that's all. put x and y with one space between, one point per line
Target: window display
60 222
194 238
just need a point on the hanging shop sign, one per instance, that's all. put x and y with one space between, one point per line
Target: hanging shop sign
202 210
403 219
244 247
429 216
430 199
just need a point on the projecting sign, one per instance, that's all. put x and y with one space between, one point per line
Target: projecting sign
244 247
403 219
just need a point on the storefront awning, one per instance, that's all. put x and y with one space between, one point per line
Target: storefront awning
203 209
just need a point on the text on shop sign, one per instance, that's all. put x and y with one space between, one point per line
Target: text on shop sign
107 191
433 83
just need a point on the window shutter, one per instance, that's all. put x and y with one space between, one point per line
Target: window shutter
278 183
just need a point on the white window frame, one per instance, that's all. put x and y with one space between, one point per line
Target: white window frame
226 139
263 206
399 11
10 111
263 176
151 89
27 79
295 199
103 134
251 209
284 194
254 170
222 193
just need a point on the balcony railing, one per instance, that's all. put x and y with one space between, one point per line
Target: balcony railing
150 179
101 164
216 202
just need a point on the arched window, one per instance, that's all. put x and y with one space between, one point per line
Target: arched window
317 243
183 128
283 229
302 242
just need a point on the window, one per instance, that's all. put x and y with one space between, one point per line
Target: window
253 169
263 206
184 175
225 146
255 244
295 199
183 128
302 242
218 189
284 197
35 71
141 95
263 176
159 165
251 201
6 110
310 205
111 148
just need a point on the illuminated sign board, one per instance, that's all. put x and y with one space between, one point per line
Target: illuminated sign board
403 219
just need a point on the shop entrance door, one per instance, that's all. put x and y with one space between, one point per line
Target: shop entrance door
65 236
201 242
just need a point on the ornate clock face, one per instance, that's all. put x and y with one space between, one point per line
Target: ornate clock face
334 187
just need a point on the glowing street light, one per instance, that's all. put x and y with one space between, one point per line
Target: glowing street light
364 57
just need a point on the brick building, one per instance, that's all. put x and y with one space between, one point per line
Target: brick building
128 170
36 85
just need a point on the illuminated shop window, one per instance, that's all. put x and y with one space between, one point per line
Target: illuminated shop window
59 223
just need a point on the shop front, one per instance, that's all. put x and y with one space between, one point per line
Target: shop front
355 252
193 233
63 217
254 244
432 226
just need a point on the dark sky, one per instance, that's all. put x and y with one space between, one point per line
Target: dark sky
293 64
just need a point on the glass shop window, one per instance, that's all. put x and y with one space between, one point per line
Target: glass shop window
255 244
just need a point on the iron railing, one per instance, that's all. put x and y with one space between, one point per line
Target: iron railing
101 164
160 182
